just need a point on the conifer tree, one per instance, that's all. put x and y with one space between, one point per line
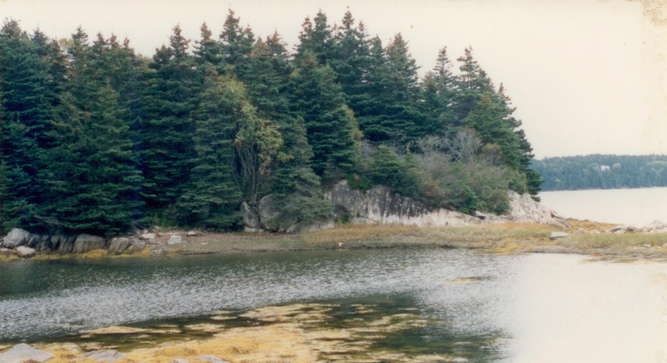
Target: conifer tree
207 50
95 176
27 134
235 47
213 197
294 185
438 93
330 124
393 115
315 40
472 83
370 103
350 60
166 130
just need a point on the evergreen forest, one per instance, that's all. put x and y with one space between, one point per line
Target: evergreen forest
100 139
602 171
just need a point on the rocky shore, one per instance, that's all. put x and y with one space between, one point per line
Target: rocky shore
375 207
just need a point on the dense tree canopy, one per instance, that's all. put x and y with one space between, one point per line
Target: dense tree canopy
98 139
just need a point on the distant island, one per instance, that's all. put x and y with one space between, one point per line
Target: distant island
600 171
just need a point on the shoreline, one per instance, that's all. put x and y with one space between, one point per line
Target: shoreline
582 237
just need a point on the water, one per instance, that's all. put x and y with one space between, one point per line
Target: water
637 207
532 308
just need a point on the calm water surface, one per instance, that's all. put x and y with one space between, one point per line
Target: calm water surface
533 308
626 206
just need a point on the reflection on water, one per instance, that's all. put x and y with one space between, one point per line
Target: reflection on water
533 308
52 297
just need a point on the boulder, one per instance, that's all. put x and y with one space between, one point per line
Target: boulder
193 233
654 227
250 219
557 235
136 245
175 239
107 356
523 208
119 245
17 237
623 229
25 252
271 219
150 237
87 242
24 353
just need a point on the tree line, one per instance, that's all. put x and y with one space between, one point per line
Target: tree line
97 138
602 171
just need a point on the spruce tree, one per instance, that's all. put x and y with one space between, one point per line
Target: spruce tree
392 114
235 47
330 124
472 83
350 60
207 50
438 93
315 40
294 185
95 172
371 101
27 134
166 130
213 197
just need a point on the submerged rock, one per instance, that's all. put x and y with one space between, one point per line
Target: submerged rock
25 252
212 359
107 356
24 353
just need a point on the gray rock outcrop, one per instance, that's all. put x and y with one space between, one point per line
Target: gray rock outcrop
17 237
131 244
379 205
175 239
87 242
24 353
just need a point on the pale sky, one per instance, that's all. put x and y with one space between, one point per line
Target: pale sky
587 76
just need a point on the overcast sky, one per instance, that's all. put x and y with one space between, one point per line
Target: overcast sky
586 75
